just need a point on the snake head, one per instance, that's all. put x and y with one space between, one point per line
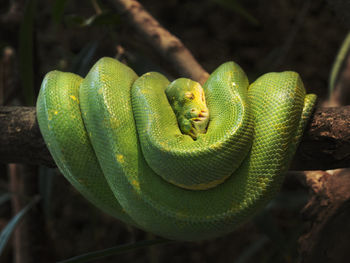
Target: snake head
187 100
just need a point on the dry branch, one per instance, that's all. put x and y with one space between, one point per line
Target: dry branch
326 238
327 212
325 145
21 140
169 47
326 141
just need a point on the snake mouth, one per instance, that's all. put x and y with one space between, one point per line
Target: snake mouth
198 120
203 114
202 117
199 124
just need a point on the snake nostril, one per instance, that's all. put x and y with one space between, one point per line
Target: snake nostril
202 113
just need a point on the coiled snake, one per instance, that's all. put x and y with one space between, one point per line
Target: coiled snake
116 138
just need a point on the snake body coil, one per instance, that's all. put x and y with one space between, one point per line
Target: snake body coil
116 138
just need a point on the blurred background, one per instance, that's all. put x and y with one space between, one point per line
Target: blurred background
38 36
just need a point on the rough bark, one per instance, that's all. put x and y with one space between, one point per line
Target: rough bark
21 140
326 141
327 214
325 144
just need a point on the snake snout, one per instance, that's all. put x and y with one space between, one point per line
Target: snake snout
203 114
199 122
199 114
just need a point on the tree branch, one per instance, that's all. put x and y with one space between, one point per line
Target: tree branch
21 140
326 141
169 47
326 217
325 144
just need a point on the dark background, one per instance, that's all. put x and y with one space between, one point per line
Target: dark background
261 36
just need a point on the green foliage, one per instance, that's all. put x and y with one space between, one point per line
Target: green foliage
236 7
339 62
115 250
106 18
103 19
7 231
83 61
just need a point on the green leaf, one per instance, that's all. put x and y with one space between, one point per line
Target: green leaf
83 61
26 52
235 6
103 19
7 231
338 63
58 10
115 250
73 20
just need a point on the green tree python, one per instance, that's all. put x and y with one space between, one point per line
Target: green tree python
175 159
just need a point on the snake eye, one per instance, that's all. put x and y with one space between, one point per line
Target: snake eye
189 95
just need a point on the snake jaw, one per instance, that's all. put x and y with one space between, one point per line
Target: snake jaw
193 119
187 99
199 124
194 122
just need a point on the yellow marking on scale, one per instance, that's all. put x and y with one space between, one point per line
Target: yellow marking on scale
114 123
120 158
74 98
136 184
